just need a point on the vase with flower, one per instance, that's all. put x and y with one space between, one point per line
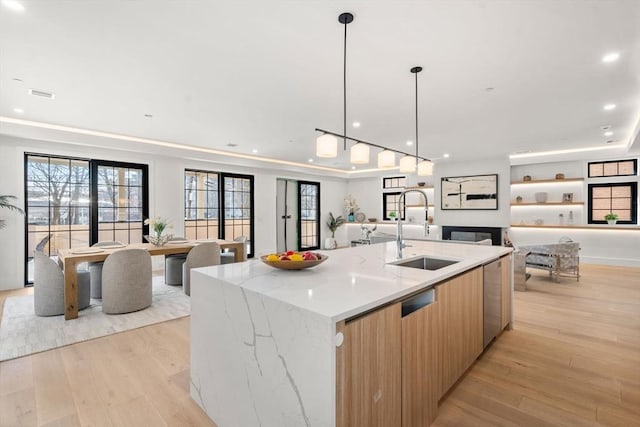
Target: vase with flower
351 206
158 225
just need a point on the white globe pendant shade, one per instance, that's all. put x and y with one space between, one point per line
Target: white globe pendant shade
327 146
408 164
360 154
425 168
386 159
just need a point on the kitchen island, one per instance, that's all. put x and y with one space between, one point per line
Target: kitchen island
296 348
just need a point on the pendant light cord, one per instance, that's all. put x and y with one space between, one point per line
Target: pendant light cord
344 88
416 119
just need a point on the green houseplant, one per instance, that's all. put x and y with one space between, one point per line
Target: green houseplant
611 218
333 223
6 204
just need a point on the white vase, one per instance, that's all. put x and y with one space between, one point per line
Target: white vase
612 221
330 243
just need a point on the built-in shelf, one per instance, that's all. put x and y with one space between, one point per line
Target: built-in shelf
547 181
581 227
424 187
545 203
419 205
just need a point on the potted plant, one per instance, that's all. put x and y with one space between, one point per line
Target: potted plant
6 204
334 223
611 218
392 216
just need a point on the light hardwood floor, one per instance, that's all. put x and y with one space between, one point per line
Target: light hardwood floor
572 359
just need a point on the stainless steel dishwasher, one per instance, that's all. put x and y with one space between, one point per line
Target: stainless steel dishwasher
492 300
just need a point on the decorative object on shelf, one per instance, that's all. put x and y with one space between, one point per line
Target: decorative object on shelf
561 219
393 216
373 219
360 217
611 218
430 219
541 196
366 231
158 225
570 217
567 197
559 176
333 224
351 207
526 178
519 199
327 143
294 260
6 204
478 192
538 221
421 184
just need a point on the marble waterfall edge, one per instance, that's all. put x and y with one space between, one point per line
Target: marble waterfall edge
256 361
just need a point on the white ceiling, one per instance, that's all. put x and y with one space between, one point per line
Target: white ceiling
264 74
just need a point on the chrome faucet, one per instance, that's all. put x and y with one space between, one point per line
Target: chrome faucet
399 243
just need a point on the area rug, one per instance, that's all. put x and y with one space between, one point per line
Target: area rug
23 333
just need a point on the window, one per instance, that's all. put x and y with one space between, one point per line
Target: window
78 202
613 168
218 206
390 204
394 182
620 198
121 201
309 205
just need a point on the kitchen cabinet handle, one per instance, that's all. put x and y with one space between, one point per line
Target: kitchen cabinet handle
417 302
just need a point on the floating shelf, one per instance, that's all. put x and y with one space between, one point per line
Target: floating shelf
548 181
419 205
582 227
545 204
424 187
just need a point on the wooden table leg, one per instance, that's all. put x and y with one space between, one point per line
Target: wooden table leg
70 290
239 251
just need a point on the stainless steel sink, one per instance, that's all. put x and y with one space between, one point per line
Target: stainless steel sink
425 263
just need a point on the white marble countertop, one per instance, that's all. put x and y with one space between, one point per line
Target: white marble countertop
354 280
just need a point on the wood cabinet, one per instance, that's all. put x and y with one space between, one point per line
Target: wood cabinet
460 325
369 373
506 291
420 378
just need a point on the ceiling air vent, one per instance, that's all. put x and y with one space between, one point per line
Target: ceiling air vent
42 93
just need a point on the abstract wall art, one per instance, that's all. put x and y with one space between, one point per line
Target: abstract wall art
469 192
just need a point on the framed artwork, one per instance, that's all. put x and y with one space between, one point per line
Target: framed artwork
474 192
567 197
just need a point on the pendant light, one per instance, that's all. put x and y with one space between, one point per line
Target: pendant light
386 159
360 154
326 146
425 167
408 164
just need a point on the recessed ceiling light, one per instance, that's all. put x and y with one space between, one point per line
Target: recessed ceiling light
610 141
148 115
353 168
489 89
356 124
18 110
609 107
15 79
409 142
42 93
231 144
445 155
13 5
310 160
608 133
254 151
605 127
611 57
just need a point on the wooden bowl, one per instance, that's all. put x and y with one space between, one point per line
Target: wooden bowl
373 219
295 265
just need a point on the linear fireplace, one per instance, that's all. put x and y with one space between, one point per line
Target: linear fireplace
472 234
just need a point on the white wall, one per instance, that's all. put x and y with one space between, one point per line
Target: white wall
166 176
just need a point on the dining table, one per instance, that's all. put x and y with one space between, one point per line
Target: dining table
69 259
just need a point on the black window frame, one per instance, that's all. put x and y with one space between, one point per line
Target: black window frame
317 231
634 201
635 168
385 213
390 179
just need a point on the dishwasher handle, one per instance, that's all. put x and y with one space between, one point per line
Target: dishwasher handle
417 302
